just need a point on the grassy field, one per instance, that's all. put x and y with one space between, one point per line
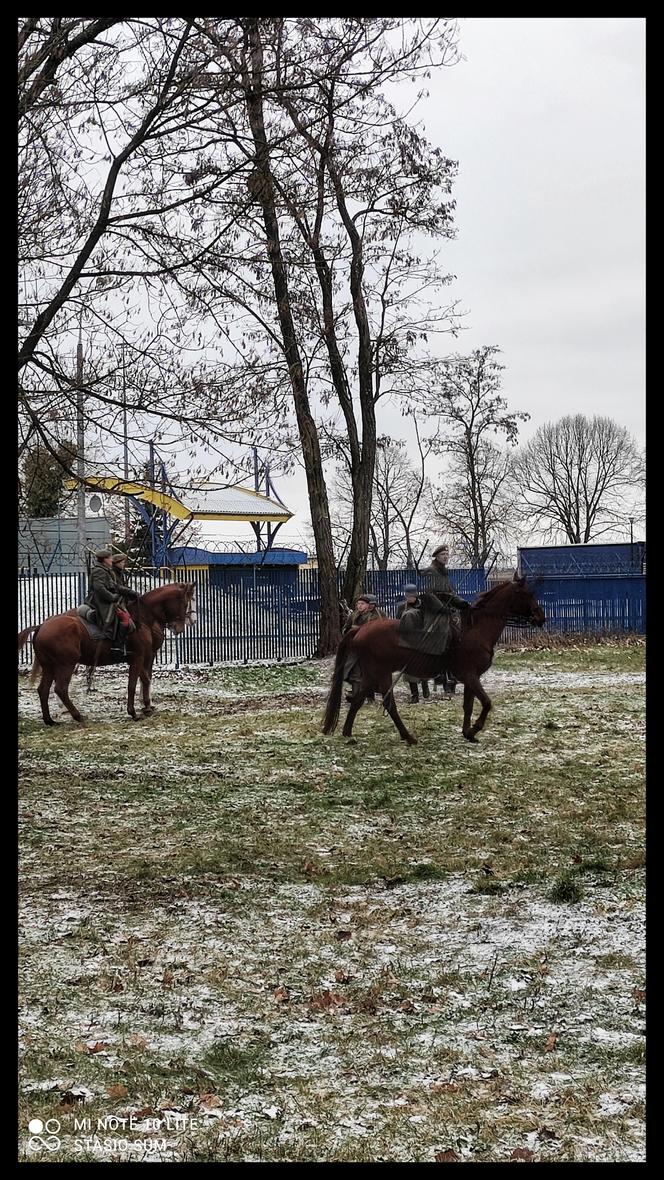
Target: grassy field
244 941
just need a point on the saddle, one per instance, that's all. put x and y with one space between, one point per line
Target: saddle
427 629
88 617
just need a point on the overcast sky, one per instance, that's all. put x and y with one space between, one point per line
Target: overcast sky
546 118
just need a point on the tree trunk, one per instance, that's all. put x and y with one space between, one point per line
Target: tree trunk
330 632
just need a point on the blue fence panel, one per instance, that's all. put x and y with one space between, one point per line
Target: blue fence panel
594 603
244 623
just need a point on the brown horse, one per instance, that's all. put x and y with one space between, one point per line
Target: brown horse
376 646
63 641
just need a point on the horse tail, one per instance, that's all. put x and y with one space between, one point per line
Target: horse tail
23 635
336 688
35 670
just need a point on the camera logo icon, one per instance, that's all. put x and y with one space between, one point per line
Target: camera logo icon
44 1136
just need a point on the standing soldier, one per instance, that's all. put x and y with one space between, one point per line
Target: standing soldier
366 611
413 602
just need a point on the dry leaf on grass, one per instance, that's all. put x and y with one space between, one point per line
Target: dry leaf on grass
117 1092
523 1153
326 1000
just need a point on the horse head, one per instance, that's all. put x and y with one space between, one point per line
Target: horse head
522 602
173 605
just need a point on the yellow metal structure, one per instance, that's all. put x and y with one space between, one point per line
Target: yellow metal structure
243 503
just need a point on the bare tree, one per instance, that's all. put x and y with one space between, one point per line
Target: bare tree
464 397
398 532
337 184
579 477
108 112
233 200
475 510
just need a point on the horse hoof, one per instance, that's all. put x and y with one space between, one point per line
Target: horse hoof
350 741
470 737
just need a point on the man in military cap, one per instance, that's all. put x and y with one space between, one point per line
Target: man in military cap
126 594
412 602
366 611
104 593
437 583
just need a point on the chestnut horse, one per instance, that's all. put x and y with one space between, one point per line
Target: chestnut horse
63 641
376 646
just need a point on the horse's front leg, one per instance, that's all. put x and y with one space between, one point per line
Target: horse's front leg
146 684
134 669
390 706
62 679
470 691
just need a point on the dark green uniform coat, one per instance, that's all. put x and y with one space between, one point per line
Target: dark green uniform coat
358 619
439 625
123 583
103 593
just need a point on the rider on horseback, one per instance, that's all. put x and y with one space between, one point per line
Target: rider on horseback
437 615
366 611
439 586
104 593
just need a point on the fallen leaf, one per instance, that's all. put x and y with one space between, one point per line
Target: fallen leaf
282 994
137 1041
144 1112
639 995
523 1153
446 1157
443 1087
546 1133
167 978
211 1100
407 1006
91 1047
551 1042
343 935
117 1092
342 976
327 999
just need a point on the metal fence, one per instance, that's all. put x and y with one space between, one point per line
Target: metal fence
250 623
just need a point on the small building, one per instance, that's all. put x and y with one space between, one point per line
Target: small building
261 567
50 544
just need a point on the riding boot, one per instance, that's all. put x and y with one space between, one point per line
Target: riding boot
414 694
425 689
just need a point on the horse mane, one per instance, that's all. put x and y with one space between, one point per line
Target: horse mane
489 596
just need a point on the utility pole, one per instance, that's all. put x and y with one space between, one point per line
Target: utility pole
80 451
